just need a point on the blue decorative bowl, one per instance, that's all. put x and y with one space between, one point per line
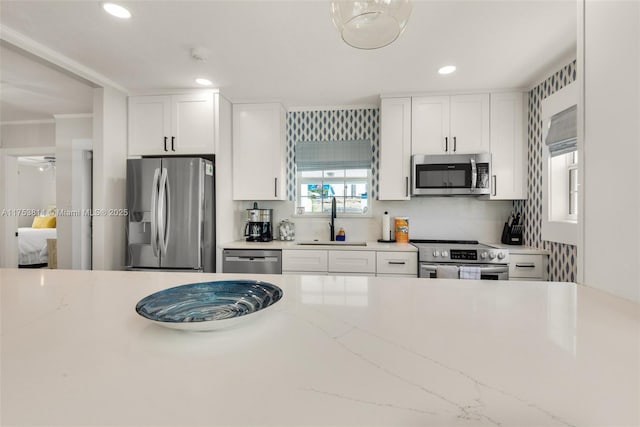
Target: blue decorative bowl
208 305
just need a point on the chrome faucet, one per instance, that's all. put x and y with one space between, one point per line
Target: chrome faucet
332 226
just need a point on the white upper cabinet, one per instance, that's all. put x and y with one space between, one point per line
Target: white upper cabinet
457 124
395 149
171 124
259 152
508 142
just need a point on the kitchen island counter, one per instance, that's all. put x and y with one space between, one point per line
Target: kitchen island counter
334 351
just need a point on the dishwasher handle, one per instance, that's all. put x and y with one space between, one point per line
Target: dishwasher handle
251 258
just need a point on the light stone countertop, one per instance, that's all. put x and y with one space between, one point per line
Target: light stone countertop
520 250
371 245
334 351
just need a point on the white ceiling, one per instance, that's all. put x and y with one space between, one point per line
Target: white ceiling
33 90
290 50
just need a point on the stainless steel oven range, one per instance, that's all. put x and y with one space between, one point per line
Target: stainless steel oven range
461 259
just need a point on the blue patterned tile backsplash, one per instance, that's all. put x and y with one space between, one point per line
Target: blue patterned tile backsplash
333 125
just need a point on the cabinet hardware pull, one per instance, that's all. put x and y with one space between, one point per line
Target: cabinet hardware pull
406 186
525 266
275 189
455 144
173 138
397 262
495 185
446 143
165 144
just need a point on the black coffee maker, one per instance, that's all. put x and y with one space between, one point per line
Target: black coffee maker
259 227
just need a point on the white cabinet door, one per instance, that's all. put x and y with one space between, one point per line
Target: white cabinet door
469 126
171 124
303 260
508 154
397 263
149 125
528 266
258 152
192 124
430 125
456 124
395 149
352 262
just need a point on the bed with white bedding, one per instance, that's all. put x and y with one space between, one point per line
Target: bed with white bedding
32 245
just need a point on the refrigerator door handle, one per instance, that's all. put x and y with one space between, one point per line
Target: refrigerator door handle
167 220
154 212
162 219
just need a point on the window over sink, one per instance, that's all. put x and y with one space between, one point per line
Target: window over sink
340 169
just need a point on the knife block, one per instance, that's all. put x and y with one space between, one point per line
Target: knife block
512 235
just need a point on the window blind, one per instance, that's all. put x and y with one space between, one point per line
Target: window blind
314 155
563 131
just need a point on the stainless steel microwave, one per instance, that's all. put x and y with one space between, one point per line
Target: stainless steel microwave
450 174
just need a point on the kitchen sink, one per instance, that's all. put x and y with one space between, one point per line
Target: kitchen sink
329 243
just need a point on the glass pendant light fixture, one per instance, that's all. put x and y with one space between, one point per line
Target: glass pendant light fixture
370 24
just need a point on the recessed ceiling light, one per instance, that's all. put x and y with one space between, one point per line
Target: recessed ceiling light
116 10
447 69
203 82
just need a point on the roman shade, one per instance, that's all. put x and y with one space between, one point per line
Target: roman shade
563 131
314 155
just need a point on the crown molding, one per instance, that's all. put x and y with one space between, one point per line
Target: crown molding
28 122
73 116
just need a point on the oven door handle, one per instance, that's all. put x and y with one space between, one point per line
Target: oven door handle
492 268
483 268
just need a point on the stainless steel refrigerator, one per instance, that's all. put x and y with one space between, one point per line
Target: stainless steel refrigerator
171 214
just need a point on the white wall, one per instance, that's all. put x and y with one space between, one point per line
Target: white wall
109 172
18 139
429 218
69 128
226 207
36 190
28 134
611 147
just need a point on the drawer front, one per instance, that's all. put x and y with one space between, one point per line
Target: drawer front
304 260
403 263
352 262
527 266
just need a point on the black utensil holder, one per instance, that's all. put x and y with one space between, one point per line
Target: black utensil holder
512 235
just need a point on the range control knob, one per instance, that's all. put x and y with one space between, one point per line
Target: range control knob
445 254
483 255
436 254
500 255
492 255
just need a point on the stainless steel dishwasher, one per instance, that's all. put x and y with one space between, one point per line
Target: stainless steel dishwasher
252 261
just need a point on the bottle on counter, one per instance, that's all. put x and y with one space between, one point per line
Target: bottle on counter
402 229
341 236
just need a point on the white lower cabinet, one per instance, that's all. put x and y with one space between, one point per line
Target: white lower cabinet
352 262
397 263
304 261
528 266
